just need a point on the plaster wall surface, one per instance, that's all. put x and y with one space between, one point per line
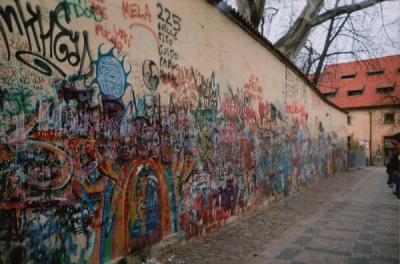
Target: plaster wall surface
125 124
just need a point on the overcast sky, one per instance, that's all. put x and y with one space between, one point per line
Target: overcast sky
384 40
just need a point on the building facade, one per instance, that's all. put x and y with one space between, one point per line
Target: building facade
369 91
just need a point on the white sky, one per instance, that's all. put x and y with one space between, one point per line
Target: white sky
384 41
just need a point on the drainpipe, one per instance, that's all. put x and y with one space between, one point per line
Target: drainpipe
370 138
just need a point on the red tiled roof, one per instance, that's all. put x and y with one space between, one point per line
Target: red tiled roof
334 80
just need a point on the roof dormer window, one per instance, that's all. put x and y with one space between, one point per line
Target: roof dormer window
376 72
355 92
330 95
348 76
385 90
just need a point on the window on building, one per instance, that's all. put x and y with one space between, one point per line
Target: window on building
330 95
388 148
349 119
388 118
385 90
376 72
348 76
387 142
355 92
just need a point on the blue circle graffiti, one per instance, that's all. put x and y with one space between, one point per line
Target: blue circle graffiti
111 77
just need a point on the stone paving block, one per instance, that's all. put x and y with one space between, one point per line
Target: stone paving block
337 234
321 222
313 230
351 216
368 227
374 215
328 216
289 253
351 219
276 261
389 220
363 248
358 260
388 211
385 229
387 260
366 236
331 238
389 239
360 254
347 228
388 244
302 240
342 246
389 215
372 221
335 252
356 208
385 250
318 257
356 226
345 221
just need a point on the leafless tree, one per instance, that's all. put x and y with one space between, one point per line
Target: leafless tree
312 15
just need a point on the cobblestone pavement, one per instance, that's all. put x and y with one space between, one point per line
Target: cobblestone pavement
345 218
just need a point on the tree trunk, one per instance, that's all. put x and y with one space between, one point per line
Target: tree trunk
291 43
252 10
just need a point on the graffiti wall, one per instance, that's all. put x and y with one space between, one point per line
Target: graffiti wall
126 123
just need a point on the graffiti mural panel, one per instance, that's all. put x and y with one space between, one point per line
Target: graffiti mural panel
109 146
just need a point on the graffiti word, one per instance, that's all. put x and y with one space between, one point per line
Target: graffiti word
31 80
294 109
118 37
18 44
80 9
49 44
184 97
135 11
165 16
167 61
169 25
207 89
99 8
237 105
253 89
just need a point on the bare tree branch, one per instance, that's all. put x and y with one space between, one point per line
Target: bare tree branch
291 43
345 9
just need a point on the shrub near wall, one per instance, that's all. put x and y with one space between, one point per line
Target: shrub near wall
125 123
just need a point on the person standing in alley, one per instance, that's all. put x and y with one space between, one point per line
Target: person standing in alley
393 167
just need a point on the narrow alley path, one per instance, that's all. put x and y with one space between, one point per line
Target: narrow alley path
346 218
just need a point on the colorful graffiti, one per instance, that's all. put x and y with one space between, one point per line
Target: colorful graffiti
96 163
